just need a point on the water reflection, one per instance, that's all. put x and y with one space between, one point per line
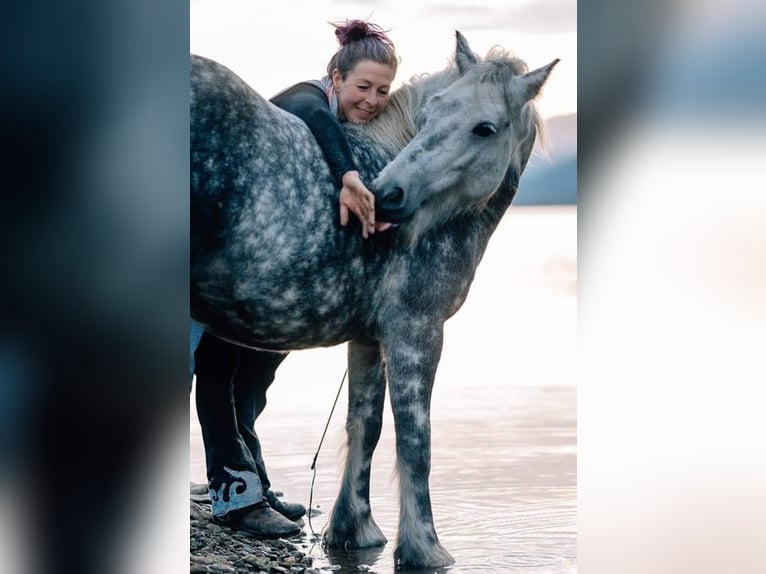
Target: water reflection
355 560
504 472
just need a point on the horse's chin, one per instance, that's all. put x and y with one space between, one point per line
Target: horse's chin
436 210
395 216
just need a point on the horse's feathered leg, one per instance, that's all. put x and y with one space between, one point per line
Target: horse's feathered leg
351 524
411 359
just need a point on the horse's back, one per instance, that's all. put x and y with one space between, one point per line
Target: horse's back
223 107
231 126
239 142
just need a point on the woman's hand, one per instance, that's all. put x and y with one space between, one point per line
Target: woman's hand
356 198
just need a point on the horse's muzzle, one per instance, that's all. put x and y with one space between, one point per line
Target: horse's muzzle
391 202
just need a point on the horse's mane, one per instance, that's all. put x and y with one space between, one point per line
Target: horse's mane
398 123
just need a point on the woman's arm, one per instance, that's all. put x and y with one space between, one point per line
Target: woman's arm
309 103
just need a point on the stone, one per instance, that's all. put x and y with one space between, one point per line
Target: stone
256 561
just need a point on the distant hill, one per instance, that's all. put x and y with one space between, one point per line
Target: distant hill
552 180
550 185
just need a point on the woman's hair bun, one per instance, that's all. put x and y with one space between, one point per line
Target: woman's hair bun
355 30
360 40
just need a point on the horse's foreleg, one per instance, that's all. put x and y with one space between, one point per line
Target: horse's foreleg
411 360
351 524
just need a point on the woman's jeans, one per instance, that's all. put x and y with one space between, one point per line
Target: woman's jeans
231 394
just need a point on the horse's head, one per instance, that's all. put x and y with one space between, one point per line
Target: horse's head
471 133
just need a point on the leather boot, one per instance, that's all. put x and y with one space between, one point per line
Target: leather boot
261 521
291 510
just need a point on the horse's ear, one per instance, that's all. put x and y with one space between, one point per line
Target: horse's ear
464 57
531 83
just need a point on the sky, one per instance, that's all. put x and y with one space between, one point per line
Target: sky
272 45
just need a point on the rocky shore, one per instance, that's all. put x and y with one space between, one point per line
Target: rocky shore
218 549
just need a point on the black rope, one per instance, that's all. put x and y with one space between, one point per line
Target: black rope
314 462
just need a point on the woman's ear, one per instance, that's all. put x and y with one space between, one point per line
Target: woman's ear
336 79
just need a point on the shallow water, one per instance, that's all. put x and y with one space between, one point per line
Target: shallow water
503 479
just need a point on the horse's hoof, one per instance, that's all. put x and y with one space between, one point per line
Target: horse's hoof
369 536
408 557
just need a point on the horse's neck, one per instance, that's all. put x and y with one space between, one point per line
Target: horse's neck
486 220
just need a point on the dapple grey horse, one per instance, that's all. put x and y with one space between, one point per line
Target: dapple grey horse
272 269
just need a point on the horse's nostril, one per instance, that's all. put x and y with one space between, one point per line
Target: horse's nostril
397 196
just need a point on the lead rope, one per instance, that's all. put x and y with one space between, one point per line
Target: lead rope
314 462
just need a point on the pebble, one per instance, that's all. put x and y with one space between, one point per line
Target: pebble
218 550
257 561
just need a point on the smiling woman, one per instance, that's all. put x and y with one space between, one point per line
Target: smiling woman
363 92
355 89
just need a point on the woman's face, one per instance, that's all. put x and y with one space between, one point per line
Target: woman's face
364 92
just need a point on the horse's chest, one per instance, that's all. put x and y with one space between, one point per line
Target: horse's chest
433 282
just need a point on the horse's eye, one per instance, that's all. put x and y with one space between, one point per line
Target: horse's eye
484 129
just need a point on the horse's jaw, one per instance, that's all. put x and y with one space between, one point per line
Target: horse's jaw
434 212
